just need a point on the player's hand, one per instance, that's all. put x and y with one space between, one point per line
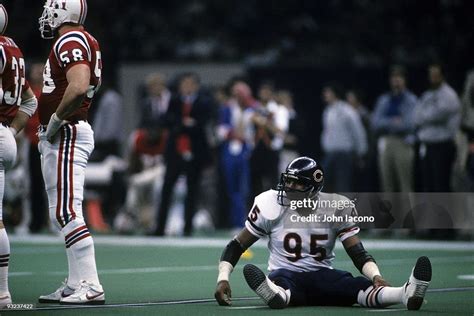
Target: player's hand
223 293
54 125
379 281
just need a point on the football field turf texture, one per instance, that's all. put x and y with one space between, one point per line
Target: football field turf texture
177 276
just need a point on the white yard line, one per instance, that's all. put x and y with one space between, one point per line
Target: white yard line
168 269
139 241
210 300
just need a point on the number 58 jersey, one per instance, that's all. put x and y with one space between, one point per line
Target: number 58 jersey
72 48
300 240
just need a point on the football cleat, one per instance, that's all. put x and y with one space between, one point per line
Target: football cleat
63 291
87 294
5 299
415 288
273 295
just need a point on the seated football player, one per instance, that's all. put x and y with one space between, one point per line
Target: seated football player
301 255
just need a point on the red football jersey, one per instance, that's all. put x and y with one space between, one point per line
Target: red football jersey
12 71
72 48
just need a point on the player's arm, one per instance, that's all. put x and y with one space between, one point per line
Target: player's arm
78 78
28 106
230 257
363 260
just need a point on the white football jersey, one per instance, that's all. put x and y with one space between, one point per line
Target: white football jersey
295 243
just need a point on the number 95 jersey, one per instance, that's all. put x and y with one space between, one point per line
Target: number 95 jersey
297 245
72 48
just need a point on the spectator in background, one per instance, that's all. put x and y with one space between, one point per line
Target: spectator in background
235 130
343 140
353 97
147 144
38 203
271 124
467 124
187 149
150 137
364 177
104 201
291 141
155 105
392 122
108 124
437 118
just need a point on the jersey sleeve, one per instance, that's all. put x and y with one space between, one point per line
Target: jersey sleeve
72 49
347 229
256 223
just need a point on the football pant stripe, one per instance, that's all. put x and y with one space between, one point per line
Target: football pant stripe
59 179
65 174
71 173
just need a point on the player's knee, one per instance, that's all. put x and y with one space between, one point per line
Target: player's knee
55 220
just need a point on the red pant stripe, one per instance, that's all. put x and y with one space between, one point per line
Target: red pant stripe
59 178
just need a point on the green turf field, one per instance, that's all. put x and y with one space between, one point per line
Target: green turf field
177 276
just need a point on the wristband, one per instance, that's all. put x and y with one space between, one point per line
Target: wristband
370 270
225 269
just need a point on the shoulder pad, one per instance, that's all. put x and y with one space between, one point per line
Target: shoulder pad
268 205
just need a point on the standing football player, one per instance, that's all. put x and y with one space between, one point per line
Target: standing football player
72 76
17 105
301 254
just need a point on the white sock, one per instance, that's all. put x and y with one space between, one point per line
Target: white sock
4 258
380 297
391 295
81 248
74 278
285 294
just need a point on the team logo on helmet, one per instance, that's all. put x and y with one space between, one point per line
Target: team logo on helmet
318 175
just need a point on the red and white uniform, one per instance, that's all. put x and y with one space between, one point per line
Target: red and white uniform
64 161
12 72
72 48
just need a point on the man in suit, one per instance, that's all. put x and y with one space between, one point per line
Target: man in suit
187 149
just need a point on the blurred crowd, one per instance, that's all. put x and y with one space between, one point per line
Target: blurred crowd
199 155
306 32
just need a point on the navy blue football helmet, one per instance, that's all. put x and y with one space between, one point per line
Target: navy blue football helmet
305 172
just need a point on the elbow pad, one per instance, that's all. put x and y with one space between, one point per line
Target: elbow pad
359 256
232 252
29 106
